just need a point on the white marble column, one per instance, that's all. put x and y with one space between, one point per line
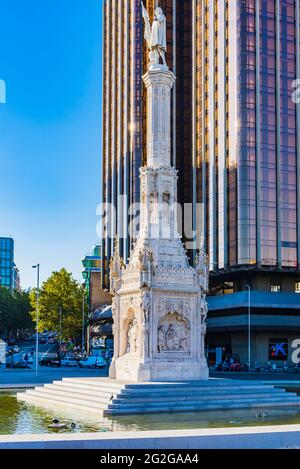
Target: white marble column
159 84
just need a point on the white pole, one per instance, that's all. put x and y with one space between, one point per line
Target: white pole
249 327
60 328
37 318
82 337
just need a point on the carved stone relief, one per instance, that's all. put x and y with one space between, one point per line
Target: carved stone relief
174 333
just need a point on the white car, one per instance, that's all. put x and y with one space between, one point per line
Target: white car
69 361
93 362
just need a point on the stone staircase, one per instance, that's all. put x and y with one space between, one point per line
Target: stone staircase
108 397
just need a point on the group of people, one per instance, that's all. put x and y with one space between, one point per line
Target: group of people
71 348
230 364
234 364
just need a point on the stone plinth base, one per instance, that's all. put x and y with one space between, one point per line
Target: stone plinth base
103 396
131 369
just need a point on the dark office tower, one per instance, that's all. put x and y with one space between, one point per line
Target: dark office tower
251 55
235 143
251 142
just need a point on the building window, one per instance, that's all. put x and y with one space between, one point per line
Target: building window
278 349
297 287
275 287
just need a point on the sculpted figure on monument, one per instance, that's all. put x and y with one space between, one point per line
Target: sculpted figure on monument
202 269
146 303
145 258
116 266
156 35
132 344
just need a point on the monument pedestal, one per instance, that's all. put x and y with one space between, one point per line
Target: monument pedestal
159 306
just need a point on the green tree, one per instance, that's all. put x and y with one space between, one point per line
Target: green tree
7 310
23 307
14 310
60 291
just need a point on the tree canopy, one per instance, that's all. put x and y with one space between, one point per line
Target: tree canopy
60 291
14 310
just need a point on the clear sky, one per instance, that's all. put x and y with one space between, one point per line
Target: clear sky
50 131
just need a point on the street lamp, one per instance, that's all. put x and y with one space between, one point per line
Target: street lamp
60 328
249 325
83 319
87 278
37 267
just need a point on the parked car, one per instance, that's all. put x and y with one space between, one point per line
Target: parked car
17 365
69 361
50 362
93 362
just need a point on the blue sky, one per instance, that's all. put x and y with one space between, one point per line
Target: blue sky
50 131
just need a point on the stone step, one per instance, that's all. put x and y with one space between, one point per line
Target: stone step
70 393
197 392
128 394
84 391
54 402
92 383
204 407
117 398
188 388
200 403
136 392
44 396
144 400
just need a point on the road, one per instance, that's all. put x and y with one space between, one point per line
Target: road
28 347
14 378
27 377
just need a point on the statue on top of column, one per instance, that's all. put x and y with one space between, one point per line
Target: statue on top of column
156 35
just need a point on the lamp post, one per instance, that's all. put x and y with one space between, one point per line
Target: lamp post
86 297
60 328
37 267
89 310
249 325
83 317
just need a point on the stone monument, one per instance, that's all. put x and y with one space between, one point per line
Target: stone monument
159 306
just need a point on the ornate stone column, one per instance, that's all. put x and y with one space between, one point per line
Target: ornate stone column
159 84
167 293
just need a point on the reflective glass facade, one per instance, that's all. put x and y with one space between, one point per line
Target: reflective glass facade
236 129
251 133
7 267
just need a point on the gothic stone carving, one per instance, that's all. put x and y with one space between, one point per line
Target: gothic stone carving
174 333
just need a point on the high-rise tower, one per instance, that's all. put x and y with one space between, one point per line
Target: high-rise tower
235 141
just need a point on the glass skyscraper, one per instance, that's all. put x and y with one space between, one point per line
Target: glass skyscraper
252 133
9 275
235 141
